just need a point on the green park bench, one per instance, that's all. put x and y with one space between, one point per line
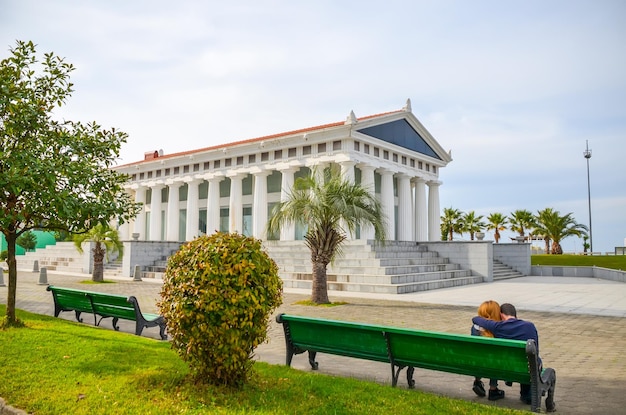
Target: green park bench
103 306
507 360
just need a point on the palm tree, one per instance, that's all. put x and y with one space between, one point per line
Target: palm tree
497 222
331 207
451 222
544 216
554 227
472 223
520 221
107 242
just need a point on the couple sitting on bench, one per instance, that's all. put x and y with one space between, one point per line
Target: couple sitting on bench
498 321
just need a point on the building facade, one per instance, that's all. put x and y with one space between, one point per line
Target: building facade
233 187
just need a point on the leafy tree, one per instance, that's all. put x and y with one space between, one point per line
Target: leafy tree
27 240
451 222
54 175
555 227
520 221
472 223
107 242
218 294
497 222
330 206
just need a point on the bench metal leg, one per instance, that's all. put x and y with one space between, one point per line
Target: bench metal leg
312 362
78 317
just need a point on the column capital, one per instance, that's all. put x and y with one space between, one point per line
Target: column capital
434 183
192 179
174 182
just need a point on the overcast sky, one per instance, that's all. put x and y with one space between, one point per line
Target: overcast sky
514 89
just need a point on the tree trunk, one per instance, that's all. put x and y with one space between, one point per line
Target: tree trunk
496 236
547 242
12 289
98 263
319 294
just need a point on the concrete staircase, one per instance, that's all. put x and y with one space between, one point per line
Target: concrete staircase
392 267
504 272
156 270
60 257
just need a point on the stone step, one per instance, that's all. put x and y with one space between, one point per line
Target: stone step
388 288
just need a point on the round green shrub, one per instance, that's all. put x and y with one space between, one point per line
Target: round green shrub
218 294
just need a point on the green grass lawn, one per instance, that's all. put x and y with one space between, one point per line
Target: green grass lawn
603 261
55 366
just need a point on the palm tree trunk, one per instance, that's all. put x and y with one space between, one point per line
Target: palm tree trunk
98 263
12 263
319 294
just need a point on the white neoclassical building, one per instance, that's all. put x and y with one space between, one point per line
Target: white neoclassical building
233 187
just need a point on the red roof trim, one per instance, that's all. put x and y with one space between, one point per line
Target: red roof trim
252 140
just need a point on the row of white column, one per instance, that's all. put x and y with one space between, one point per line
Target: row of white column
418 214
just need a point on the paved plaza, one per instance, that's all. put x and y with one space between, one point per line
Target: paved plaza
581 323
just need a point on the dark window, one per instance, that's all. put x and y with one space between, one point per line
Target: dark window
395 158
207 165
216 164
176 170
336 145
134 177
306 150
278 154
265 156
149 175
419 165
196 167
186 169
239 160
403 160
376 152
158 173
321 148
141 175
252 158
366 148
402 134
357 146
227 162
427 167
385 154
412 162
292 152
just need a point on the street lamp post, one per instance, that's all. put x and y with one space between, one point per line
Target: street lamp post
587 154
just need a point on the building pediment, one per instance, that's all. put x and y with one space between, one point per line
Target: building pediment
400 133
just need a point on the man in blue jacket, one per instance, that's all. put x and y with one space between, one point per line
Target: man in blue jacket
511 328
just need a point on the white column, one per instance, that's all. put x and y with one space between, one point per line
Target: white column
318 171
287 231
213 206
235 223
347 170
405 224
123 230
434 213
172 210
259 205
421 212
193 215
140 220
367 182
155 213
387 201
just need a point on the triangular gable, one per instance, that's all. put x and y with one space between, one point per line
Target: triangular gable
402 134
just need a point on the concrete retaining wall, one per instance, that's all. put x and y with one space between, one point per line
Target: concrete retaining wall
586 272
144 253
476 256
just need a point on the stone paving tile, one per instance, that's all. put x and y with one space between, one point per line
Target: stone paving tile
587 351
